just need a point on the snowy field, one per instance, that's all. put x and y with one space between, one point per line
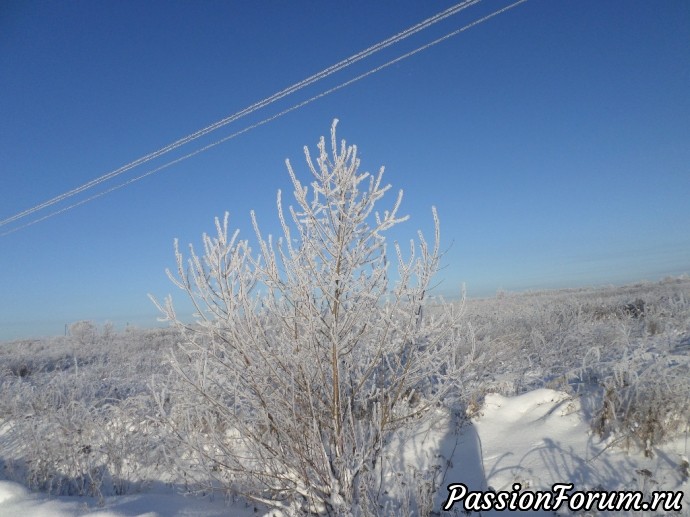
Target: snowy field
584 386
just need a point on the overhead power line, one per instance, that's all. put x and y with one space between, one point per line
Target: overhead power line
246 111
231 136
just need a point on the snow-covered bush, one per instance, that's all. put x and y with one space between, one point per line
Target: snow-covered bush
623 351
307 358
644 402
644 398
84 332
79 422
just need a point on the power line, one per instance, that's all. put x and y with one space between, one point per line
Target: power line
264 121
246 111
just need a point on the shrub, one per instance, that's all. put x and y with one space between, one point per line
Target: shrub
84 332
307 358
642 405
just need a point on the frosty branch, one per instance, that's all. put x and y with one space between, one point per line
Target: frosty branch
308 357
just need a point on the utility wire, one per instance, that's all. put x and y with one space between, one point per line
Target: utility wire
246 111
268 119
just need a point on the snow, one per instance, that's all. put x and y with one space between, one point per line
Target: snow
523 428
537 439
16 501
542 437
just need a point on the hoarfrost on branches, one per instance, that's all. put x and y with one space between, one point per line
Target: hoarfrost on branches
307 358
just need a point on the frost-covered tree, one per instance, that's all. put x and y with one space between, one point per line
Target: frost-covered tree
84 332
308 357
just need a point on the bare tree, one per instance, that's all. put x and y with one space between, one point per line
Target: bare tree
307 358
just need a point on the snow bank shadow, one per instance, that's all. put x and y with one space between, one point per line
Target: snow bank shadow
95 481
163 501
554 462
443 452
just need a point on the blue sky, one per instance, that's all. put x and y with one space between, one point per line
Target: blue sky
554 139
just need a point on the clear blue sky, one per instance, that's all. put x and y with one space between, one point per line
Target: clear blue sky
554 139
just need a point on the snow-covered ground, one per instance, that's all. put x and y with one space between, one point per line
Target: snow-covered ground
536 439
16 501
528 425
